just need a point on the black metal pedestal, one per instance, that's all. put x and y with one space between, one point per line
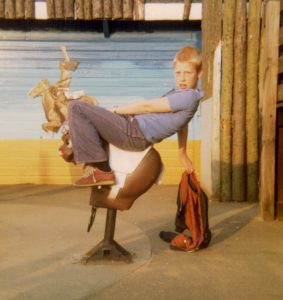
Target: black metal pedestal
108 249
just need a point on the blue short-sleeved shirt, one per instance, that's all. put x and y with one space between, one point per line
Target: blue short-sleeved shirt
158 126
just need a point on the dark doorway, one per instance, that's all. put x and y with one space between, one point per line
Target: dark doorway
279 165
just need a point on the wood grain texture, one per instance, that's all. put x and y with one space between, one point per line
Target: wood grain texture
117 9
2 9
69 9
268 117
88 10
128 9
59 9
10 9
97 9
29 9
50 8
107 9
79 8
252 99
239 104
20 9
139 9
226 99
187 9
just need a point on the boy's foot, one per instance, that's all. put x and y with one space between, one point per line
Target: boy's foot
93 177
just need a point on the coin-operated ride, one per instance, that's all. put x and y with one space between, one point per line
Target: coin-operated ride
135 173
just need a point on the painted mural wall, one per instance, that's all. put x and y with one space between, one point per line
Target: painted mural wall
122 69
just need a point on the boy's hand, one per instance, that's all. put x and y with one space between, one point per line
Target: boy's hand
187 163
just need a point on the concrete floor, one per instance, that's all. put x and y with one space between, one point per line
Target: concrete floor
43 237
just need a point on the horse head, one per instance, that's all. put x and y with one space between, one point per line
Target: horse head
39 89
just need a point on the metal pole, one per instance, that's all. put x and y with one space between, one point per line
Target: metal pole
110 225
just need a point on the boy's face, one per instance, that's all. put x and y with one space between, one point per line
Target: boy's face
186 75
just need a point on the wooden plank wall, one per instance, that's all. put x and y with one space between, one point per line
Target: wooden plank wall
124 68
82 9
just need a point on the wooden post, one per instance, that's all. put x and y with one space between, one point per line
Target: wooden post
269 98
87 9
117 9
139 9
2 9
59 9
127 9
252 99
205 45
211 36
50 9
215 131
20 9
226 99
79 7
107 8
69 9
97 9
187 9
29 9
10 12
239 103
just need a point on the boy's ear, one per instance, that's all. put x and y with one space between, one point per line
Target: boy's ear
200 73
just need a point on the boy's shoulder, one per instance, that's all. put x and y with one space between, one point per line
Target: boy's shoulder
197 93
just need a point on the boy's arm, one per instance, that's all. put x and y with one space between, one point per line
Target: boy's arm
182 144
158 105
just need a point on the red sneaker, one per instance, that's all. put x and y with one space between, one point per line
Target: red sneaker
93 177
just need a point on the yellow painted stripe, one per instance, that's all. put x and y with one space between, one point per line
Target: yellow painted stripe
38 162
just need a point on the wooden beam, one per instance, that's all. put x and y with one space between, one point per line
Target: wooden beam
187 9
10 10
2 9
139 9
117 9
226 99
252 100
69 9
127 9
239 103
20 9
107 8
79 7
97 9
211 35
29 9
269 98
215 126
59 9
205 46
50 9
87 9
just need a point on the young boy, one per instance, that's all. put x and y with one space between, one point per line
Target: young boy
136 126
